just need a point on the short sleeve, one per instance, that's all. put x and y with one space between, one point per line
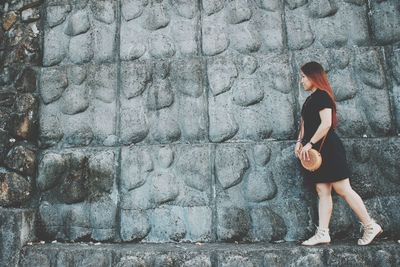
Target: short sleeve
323 101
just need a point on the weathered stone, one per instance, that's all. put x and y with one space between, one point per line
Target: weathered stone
312 24
160 95
132 9
394 59
57 14
101 171
104 41
161 46
186 9
55 46
25 125
22 159
134 225
25 120
104 82
136 127
188 78
308 260
2 44
195 172
73 188
202 260
102 112
168 224
51 130
37 260
103 10
15 189
31 14
78 23
52 84
9 20
74 99
77 74
16 228
267 225
51 169
76 221
165 128
7 97
234 223
157 18
260 186
103 215
163 187
5 142
385 21
231 164
26 83
286 254
80 48
223 125
236 261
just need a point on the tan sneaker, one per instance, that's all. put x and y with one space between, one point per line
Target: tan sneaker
371 231
321 237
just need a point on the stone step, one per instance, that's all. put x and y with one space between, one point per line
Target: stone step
380 253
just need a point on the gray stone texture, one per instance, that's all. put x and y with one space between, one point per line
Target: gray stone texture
79 33
20 56
164 195
211 74
384 254
79 197
173 121
16 229
76 103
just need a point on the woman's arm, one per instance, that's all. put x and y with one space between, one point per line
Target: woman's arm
298 146
301 132
326 122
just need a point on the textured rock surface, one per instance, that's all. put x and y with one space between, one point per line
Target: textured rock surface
288 254
172 121
230 192
16 229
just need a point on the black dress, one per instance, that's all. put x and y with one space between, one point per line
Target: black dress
334 165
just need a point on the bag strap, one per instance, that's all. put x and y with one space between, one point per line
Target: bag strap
323 140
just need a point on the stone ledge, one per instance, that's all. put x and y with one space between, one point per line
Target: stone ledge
380 253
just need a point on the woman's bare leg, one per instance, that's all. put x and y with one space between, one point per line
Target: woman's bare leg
325 205
343 189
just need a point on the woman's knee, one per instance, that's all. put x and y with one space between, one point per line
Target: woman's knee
323 190
343 189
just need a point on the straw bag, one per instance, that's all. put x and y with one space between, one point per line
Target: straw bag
315 160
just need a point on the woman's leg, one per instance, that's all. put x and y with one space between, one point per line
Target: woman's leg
324 213
371 228
324 191
343 189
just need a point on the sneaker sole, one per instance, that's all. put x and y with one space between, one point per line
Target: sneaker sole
377 235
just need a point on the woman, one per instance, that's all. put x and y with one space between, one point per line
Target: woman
318 119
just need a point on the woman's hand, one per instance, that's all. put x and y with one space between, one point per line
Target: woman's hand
297 149
304 152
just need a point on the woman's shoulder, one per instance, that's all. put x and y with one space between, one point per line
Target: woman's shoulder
321 94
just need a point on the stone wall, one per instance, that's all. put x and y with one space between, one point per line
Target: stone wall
169 121
20 60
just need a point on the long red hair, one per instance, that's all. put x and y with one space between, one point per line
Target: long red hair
317 75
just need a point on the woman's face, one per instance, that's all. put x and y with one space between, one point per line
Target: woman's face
307 84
